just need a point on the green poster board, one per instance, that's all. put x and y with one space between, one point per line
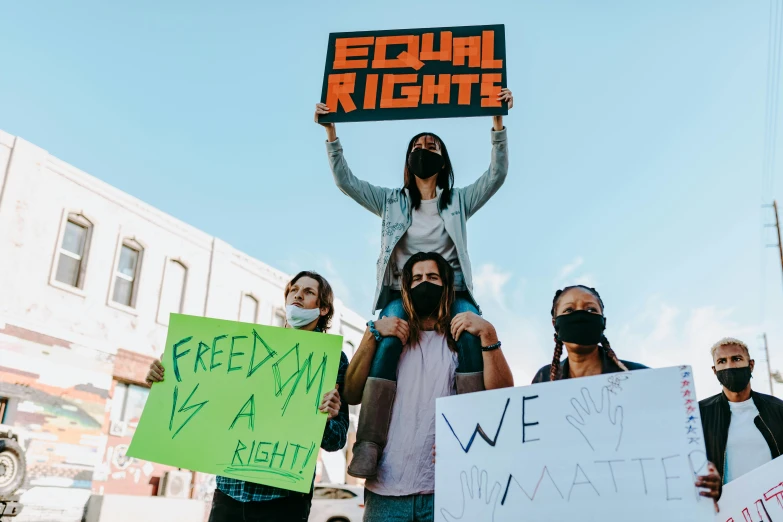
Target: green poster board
240 400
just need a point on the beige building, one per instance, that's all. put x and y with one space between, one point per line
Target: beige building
89 276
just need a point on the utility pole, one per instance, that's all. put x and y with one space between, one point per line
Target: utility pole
769 365
777 226
774 375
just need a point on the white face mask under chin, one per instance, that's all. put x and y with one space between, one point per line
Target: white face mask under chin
298 317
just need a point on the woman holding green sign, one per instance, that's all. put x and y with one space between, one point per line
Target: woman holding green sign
428 214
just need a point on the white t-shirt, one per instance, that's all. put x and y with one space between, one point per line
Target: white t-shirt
427 233
746 448
425 372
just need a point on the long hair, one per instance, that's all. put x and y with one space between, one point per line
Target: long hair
325 296
443 314
555 372
445 176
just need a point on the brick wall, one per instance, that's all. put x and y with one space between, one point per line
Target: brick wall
131 367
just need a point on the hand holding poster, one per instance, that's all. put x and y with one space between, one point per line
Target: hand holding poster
415 73
240 400
754 497
623 446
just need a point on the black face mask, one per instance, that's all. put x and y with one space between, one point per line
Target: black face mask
734 379
426 298
424 163
580 327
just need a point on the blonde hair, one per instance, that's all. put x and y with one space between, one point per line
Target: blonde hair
727 341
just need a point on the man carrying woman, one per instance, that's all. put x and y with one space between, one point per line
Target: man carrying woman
427 214
403 487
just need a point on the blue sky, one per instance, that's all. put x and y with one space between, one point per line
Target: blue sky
636 146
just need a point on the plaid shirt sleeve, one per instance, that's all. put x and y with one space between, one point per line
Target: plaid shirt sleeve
336 432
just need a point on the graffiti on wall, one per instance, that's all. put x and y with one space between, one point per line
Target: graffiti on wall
64 399
59 396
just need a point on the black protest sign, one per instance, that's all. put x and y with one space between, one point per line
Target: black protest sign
406 74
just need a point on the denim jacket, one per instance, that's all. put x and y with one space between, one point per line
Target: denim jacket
393 206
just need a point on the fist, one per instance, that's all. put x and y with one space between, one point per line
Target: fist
331 403
155 374
321 108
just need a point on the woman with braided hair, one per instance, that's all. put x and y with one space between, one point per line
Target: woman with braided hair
578 318
577 315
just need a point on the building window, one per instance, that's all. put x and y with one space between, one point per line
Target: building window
127 273
349 349
278 318
248 309
128 402
173 291
72 259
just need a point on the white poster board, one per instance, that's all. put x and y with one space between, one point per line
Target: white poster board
623 446
754 497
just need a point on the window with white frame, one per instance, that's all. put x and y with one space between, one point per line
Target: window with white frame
72 258
127 273
278 317
349 349
248 309
173 290
128 402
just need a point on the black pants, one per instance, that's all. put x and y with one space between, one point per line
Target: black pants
295 508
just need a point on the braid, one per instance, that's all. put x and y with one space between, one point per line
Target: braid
554 370
610 353
554 300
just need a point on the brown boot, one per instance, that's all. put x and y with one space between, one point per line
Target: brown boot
470 382
373 429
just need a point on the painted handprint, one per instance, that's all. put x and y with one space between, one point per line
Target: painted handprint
478 501
616 383
601 424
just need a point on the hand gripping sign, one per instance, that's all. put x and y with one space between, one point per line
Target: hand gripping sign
240 400
622 446
415 73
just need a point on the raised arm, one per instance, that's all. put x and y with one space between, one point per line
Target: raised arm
479 192
366 194
331 129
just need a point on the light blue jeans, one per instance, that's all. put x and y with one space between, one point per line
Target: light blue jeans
387 355
412 508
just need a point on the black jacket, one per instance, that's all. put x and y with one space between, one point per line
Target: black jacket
716 417
607 366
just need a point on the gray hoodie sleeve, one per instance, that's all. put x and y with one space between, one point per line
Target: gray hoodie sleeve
478 193
367 195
